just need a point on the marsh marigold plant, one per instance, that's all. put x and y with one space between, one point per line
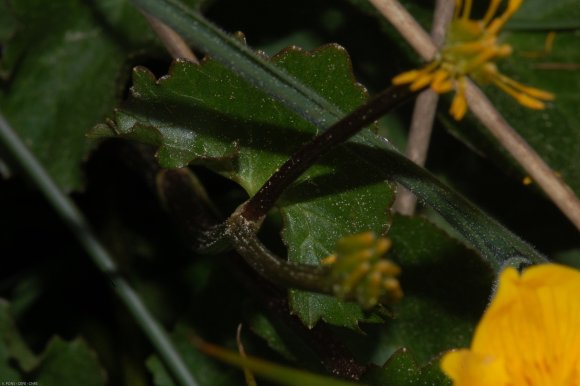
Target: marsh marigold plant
529 336
471 48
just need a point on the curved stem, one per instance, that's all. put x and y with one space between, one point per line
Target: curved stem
390 98
80 228
243 234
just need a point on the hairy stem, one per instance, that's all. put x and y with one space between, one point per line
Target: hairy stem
554 187
243 234
259 205
80 228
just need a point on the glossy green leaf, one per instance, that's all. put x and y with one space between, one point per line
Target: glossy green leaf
495 243
211 116
64 69
208 115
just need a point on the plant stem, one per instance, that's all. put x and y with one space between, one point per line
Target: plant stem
424 112
407 26
80 228
259 205
243 235
560 193
173 42
554 187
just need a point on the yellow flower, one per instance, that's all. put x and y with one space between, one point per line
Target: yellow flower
471 48
529 336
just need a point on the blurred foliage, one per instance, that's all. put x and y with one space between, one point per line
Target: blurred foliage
65 65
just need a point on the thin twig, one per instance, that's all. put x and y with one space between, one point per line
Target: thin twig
554 187
248 375
173 42
80 228
424 111
407 26
560 193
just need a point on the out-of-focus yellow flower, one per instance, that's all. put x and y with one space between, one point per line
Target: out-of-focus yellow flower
471 48
529 336
360 270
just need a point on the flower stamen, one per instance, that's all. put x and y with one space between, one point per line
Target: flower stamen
467 5
471 49
499 22
491 11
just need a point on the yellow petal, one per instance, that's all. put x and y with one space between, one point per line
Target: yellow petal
531 91
458 107
529 102
459 103
441 82
498 23
491 10
467 368
421 82
533 324
466 12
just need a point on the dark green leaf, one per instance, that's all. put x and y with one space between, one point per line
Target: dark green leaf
555 132
402 370
69 363
570 257
8 22
65 66
62 363
446 288
275 334
208 115
12 347
496 243
542 15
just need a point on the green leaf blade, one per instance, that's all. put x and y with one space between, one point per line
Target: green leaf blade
207 115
